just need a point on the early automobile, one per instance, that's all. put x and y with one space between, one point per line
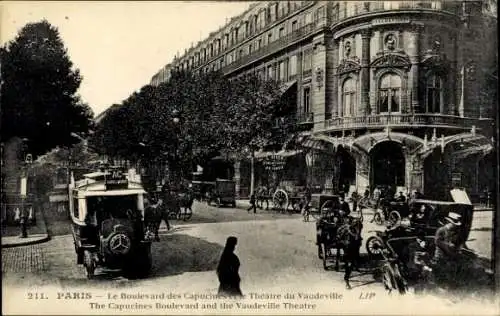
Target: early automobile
107 212
425 216
222 193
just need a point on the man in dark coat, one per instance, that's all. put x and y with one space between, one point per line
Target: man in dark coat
227 270
253 203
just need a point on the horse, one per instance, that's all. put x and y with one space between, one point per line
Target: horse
349 240
261 196
185 201
153 215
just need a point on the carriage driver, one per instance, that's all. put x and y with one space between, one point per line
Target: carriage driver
447 247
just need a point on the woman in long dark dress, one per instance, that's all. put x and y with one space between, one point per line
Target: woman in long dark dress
227 270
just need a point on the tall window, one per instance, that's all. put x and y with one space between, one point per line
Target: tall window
269 38
308 18
433 94
250 49
294 25
307 62
259 43
307 100
293 65
349 97
389 98
281 71
270 72
281 32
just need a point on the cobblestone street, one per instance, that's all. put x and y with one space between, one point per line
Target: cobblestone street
23 259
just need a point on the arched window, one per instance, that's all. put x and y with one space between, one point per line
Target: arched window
349 97
389 95
433 94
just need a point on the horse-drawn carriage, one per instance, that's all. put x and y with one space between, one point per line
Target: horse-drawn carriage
107 211
338 235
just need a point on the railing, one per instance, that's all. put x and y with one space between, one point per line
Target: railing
361 8
400 120
275 46
304 118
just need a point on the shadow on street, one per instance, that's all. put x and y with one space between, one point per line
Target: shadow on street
179 253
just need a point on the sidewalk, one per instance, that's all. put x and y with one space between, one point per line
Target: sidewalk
40 234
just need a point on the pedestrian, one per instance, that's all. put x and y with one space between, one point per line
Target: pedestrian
227 270
252 203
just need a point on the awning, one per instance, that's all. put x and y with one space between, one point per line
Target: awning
313 142
287 86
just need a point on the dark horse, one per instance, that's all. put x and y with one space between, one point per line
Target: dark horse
261 196
153 215
349 240
183 201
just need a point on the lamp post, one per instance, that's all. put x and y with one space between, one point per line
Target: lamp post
24 216
176 120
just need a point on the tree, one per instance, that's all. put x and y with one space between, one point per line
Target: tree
192 118
39 100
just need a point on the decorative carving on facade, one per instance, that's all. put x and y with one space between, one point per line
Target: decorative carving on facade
347 49
348 65
391 61
391 20
390 42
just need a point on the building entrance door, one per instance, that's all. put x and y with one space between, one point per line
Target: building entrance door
346 169
387 165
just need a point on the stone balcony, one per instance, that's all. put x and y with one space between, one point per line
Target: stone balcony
404 121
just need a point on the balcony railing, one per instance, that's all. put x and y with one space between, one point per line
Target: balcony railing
400 120
275 46
362 8
305 118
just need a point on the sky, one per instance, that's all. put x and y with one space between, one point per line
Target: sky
118 46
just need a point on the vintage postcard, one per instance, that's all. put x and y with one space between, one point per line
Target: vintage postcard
249 158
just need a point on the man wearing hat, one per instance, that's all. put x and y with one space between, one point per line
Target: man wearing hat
447 246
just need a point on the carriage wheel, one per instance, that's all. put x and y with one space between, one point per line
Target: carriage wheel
325 255
394 217
392 279
388 277
400 281
280 200
187 214
374 246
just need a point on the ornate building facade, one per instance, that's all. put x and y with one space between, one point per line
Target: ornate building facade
399 93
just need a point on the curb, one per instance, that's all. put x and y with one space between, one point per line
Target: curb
27 243
40 240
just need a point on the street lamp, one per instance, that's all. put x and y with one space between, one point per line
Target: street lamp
176 120
24 216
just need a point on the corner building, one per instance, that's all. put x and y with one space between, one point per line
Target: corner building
399 93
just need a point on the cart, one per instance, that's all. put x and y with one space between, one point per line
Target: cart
288 199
